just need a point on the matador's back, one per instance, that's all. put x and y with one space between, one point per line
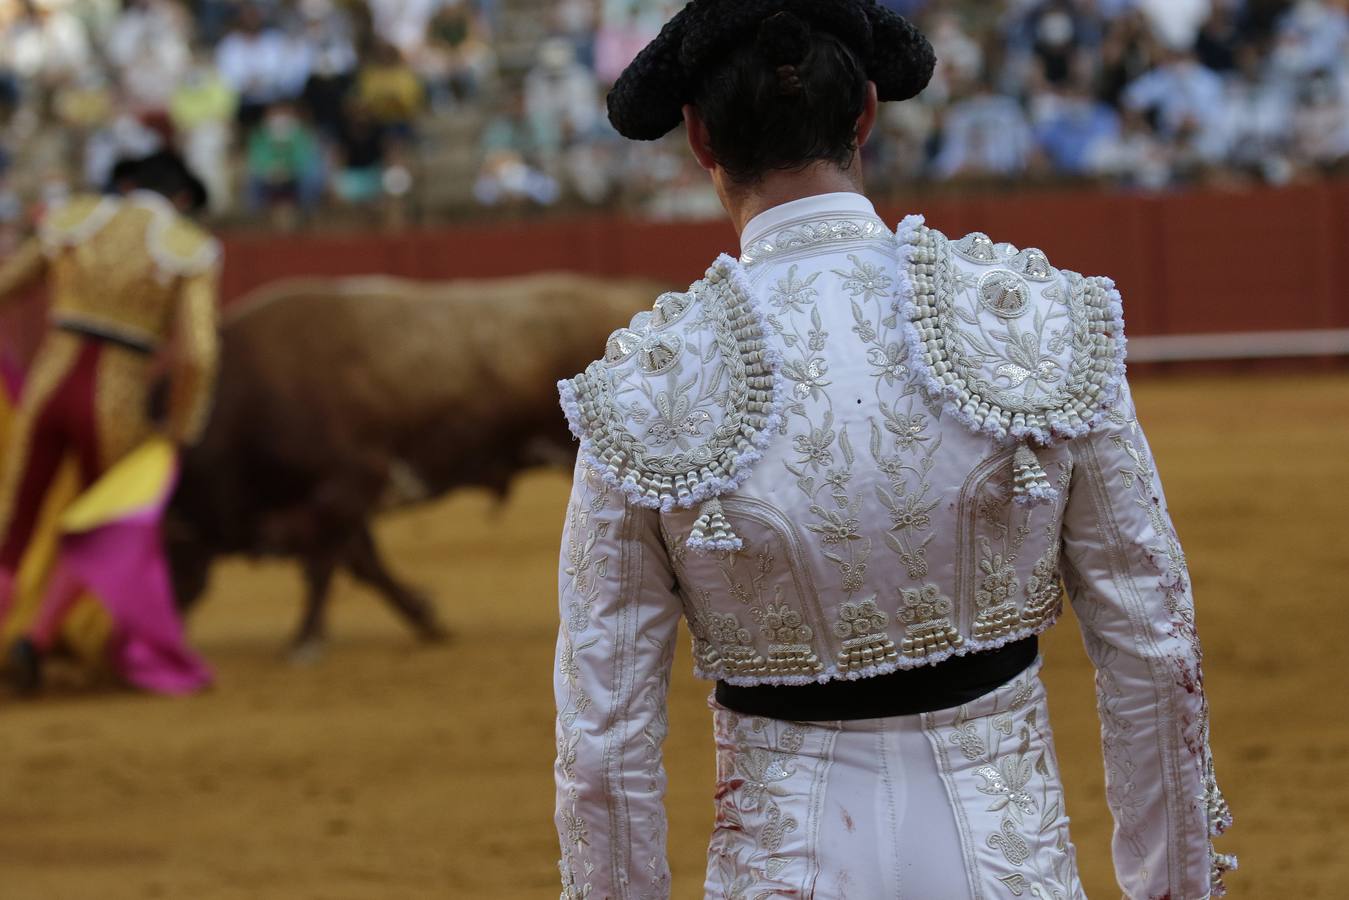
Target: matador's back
853 452
118 264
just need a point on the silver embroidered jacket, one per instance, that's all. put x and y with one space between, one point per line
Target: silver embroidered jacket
854 451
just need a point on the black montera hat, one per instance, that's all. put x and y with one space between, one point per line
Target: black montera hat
647 101
162 168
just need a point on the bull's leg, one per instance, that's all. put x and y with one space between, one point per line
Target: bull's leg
190 570
307 645
363 560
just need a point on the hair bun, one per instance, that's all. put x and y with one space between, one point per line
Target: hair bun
784 41
647 100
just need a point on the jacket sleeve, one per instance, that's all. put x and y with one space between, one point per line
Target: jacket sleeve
619 617
196 352
1128 584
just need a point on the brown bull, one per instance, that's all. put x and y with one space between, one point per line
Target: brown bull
339 399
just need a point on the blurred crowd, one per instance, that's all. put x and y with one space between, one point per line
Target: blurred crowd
1133 94
288 107
1144 93
281 106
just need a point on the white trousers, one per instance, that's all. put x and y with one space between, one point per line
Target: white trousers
961 804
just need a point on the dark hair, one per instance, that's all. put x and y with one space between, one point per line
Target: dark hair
790 98
163 172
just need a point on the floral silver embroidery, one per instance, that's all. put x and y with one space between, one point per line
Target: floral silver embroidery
749 818
865 280
676 421
836 231
792 294
1006 784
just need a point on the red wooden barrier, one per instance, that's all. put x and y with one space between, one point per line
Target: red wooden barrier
1187 263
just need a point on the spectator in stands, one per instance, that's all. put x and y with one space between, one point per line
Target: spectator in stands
284 164
1258 112
362 154
457 60
202 110
1061 34
149 48
1313 37
985 135
47 45
562 98
1137 158
578 21
508 176
1128 52
900 147
960 59
390 91
1185 100
1321 122
261 64
328 38
1072 127
1219 40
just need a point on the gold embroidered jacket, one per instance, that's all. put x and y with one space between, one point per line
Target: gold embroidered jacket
135 269
850 452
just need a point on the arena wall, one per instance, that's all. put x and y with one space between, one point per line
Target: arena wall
1205 275
1188 263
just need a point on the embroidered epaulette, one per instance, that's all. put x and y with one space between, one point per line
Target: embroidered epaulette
1016 349
181 248
685 399
76 220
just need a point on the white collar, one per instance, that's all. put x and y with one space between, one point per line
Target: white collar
842 205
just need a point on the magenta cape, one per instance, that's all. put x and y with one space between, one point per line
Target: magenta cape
112 545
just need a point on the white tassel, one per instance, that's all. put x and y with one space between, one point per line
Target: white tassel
1030 483
711 531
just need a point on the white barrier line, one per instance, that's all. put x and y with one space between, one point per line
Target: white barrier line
1243 345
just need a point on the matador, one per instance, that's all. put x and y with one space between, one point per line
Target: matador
132 293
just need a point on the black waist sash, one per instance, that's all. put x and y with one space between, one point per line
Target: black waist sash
906 692
96 332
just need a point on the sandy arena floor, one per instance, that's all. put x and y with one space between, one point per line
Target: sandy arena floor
389 770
